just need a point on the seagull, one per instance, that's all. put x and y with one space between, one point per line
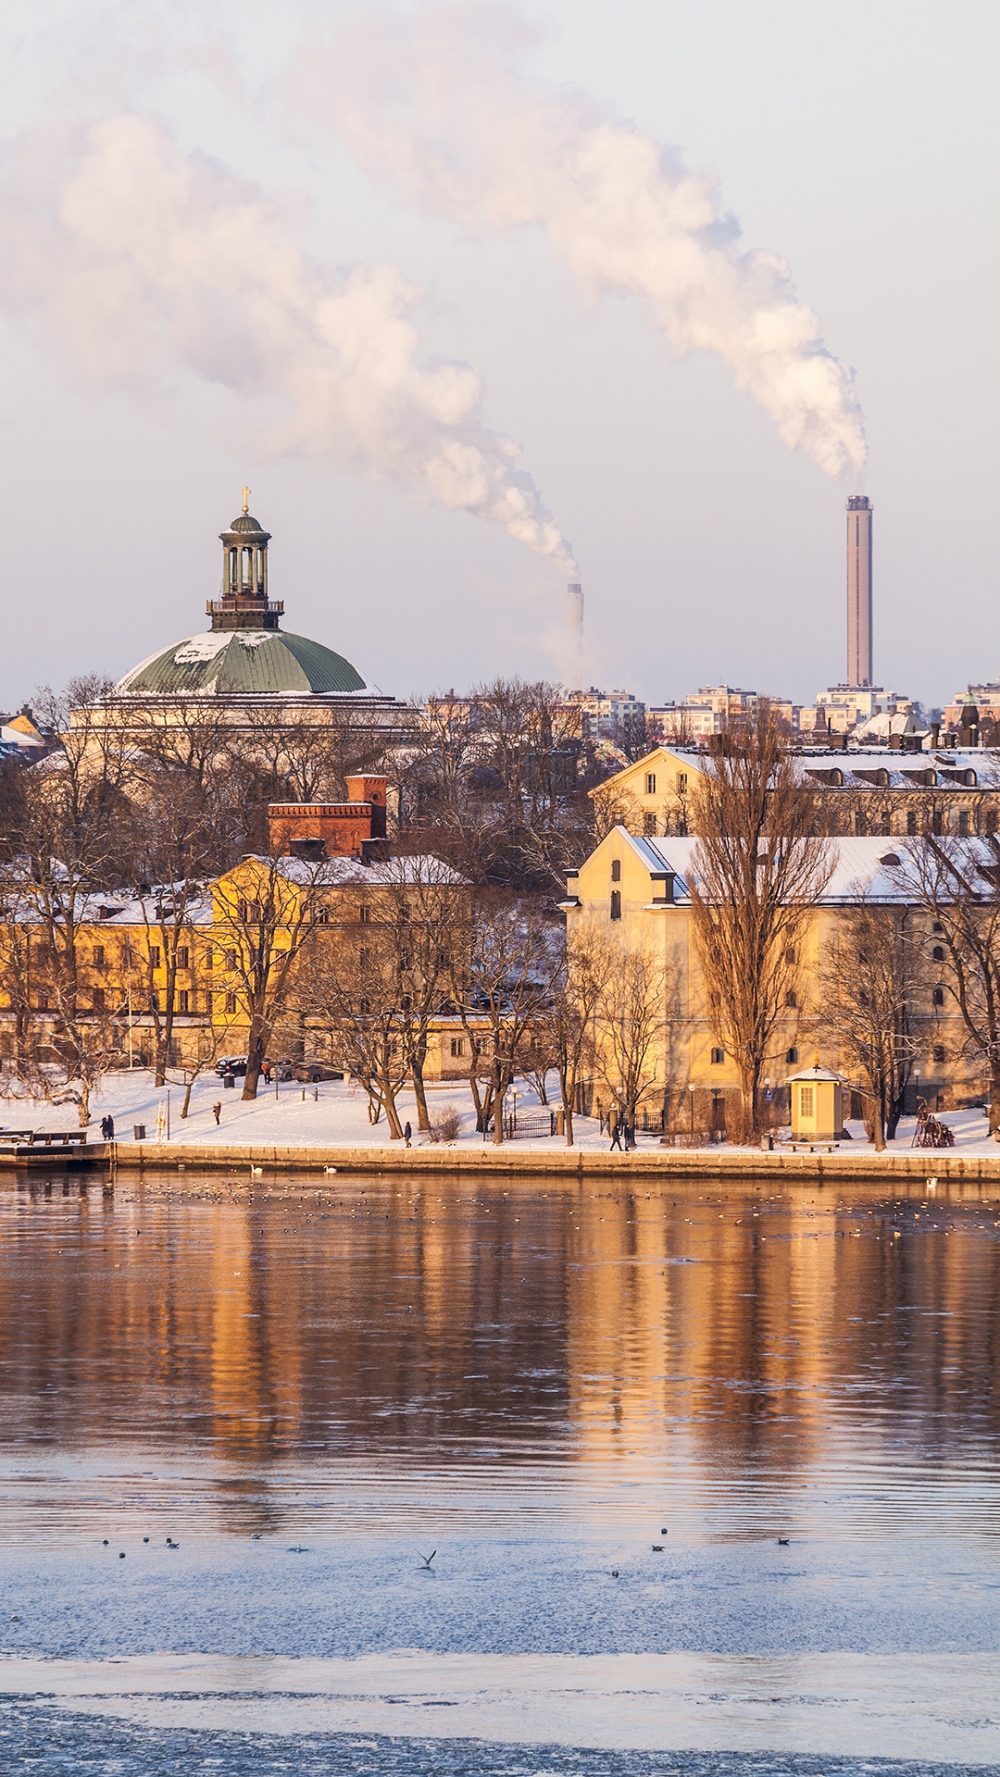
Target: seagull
255 1536
782 1542
427 1559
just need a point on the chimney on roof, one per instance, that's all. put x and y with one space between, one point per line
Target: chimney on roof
317 830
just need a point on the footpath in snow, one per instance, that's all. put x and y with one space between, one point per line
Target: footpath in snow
335 1114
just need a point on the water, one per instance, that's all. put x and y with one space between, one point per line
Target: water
602 1410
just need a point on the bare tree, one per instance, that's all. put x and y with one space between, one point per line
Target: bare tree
630 1019
359 999
577 998
757 873
868 988
512 960
264 919
957 882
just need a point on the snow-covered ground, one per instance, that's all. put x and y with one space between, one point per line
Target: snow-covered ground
335 1114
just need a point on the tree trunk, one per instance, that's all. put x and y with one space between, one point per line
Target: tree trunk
419 1091
498 1098
256 1045
83 1106
187 1099
568 1123
878 1121
391 1113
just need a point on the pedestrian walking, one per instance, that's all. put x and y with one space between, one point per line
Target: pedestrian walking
109 1134
217 1109
407 1133
616 1131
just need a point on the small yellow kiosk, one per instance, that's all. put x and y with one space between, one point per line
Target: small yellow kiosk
817 1105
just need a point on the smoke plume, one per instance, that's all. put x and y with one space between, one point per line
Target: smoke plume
144 263
437 105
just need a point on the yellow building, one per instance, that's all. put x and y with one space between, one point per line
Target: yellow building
634 891
878 791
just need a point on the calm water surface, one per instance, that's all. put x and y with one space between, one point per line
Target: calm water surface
303 1387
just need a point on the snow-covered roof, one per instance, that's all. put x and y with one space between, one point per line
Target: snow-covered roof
878 869
338 872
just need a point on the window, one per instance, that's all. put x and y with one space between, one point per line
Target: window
364 916
182 956
458 1046
99 999
154 956
937 926
230 1002
651 783
404 910
364 958
791 1056
241 911
938 953
682 783
321 916
364 1007
616 904
649 825
616 869
939 996
443 959
791 997
939 1052
911 820
861 822
990 820
791 957
807 1101
963 822
406 1003
184 1000
230 959
718 1057
937 821
210 959
154 1002
98 956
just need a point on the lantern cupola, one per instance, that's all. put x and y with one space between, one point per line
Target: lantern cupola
244 603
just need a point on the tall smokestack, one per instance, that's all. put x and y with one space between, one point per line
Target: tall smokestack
574 635
859 590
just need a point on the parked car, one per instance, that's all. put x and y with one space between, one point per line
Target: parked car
309 1072
231 1064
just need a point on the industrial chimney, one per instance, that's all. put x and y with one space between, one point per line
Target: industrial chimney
574 635
859 590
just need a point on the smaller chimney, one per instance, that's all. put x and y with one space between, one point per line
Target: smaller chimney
574 631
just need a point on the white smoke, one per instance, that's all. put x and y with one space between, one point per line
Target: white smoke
437 105
143 262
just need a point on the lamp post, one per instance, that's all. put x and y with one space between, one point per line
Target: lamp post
692 1089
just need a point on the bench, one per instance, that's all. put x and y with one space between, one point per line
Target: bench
813 1147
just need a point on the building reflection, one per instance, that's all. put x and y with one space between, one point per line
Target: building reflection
551 1320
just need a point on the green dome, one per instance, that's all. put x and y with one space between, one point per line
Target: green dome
242 662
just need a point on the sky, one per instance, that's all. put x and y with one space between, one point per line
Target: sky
479 298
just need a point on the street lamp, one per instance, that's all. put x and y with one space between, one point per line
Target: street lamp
692 1089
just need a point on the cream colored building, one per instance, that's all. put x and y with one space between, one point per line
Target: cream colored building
877 791
634 890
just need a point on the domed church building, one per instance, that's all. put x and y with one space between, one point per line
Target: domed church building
245 669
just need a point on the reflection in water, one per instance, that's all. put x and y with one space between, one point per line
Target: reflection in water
715 1343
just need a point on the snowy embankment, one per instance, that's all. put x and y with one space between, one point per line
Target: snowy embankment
335 1114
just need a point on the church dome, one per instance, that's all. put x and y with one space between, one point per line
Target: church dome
245 652
240 663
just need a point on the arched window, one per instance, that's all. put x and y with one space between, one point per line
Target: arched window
791 997
938 953
792 1057
616 904
616 869
939 996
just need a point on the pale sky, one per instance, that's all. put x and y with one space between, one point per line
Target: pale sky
856 143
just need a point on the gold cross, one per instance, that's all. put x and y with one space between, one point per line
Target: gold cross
246 499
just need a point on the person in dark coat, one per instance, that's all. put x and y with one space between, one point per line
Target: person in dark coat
109 1128
407 1133
616 1131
